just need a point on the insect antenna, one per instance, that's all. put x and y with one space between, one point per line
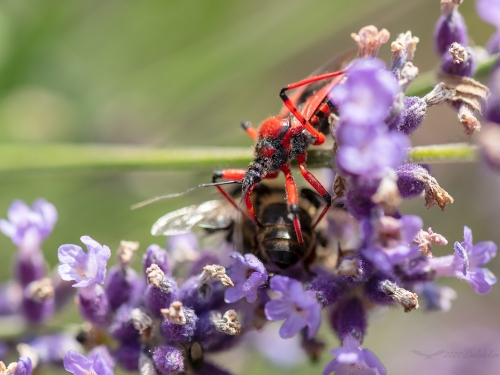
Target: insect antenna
175 195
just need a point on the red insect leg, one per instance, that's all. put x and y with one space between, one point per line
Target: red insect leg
233 174
301 161
250 130
320 138
292 200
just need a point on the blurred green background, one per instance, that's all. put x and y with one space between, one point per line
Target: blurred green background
175 73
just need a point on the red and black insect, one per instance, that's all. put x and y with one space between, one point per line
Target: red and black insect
284 138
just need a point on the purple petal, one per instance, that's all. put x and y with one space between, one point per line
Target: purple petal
233 294
17 212
462 254
101 366
411 225
71 254
77 364
249 288
481 253
378 258
278 309
489 11
293 324
481 280
7 228
253 262
280 284
313 321
467 244
47 211
373 362
332 366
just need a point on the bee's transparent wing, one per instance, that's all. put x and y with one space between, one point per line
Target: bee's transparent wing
213 215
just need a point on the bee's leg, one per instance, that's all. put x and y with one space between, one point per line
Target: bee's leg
292 200
233 174
301 161
250 130
320 137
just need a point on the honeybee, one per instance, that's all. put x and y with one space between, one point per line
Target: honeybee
274 241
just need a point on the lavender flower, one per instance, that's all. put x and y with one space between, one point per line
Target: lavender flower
78 364
298 307
466 263
388 240
85 268
248 275
368 93
350 359
28 227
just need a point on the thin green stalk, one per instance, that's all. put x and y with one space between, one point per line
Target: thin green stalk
35 157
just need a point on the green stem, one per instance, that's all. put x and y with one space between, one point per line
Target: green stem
35 157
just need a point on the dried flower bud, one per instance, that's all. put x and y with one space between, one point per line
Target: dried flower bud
425 239
175 313
215 272
228 324
126 251
369 40
408 300
142 322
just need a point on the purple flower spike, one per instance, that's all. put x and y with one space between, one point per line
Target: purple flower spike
300 308
248 275
367 94
78 364
85 268
28 227
350 359
466 263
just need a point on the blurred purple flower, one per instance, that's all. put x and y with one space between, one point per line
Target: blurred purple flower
387 240
24 366
489 11
51 349
78 364
85 268
248 275
28 227
466 263
372 158
300 308
367 94
350 359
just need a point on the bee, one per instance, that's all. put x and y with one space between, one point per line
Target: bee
274 241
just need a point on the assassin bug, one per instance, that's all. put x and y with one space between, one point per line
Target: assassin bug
284 138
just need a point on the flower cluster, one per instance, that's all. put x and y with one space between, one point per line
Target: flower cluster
188 303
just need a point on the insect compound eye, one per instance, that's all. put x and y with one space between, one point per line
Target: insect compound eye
266 150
